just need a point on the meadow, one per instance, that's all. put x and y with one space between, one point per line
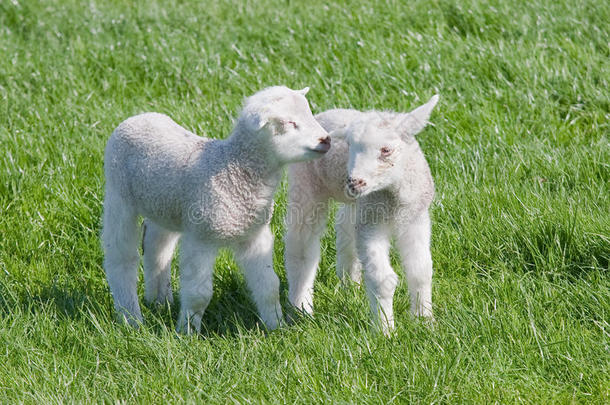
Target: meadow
519 151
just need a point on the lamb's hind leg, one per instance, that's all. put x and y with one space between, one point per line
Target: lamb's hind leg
120 240
413 242
348 265
256 260
158 247
305 223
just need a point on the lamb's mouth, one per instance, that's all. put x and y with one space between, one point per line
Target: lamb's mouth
321 148
353 193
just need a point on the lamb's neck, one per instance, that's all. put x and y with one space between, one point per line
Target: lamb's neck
392 193
255 159
398 187
414 183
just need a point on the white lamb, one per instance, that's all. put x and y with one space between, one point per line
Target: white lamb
211 193
378 170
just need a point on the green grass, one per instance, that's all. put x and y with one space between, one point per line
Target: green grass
519 152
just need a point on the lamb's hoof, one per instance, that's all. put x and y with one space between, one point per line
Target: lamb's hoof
127 319
350 283
428 320
353 279
162 298
295 315
423 313
160 302
272 324
186 329
386 329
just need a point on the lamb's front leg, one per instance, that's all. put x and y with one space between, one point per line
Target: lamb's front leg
305 224
373 244
256 260
196 271
348 265
413 240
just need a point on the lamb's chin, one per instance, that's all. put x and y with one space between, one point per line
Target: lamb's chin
365 192
312 154
354 194
319 150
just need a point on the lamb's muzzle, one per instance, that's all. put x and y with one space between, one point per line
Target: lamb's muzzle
323 146
355 185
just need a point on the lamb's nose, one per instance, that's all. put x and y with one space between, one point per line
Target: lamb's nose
355 183
325 140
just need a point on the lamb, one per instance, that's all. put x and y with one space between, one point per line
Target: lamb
377 169
208 193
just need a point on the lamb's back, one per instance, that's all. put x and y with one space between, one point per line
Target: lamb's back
155 135
337 118
148 160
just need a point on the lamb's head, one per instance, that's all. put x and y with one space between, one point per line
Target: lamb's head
380 145
281 118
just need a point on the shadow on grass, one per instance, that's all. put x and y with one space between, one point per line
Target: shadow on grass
65 302
231 311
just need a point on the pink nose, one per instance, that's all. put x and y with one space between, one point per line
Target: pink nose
355 184
325 140
324 145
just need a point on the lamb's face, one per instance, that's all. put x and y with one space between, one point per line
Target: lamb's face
376 151
380 146
294 133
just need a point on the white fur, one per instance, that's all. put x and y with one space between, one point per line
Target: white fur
209 193
392 199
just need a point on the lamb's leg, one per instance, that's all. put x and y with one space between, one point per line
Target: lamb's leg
305 223
158 245
120 240
256 260
348 265
373 244
413 242
196 271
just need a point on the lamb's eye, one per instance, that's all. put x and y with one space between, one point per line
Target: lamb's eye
385 151
293 124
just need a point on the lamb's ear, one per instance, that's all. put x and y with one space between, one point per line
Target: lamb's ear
275 124
413 122
303 91
262 122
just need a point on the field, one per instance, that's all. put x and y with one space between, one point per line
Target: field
519 151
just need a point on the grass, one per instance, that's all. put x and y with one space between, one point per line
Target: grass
521 233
